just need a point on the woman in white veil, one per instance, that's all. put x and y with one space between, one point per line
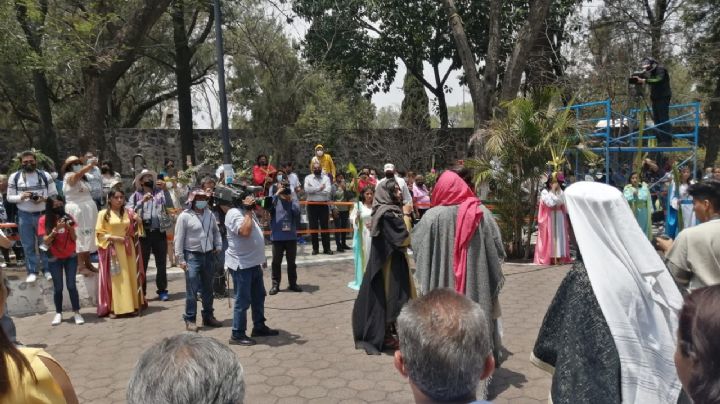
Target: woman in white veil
615 314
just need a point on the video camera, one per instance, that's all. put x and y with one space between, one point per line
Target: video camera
234 194
634 85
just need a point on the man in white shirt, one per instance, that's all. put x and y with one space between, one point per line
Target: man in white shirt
197 241
29 188
694 258
389 170
245 257
318 188
295 184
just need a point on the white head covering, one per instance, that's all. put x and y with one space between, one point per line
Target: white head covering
636 292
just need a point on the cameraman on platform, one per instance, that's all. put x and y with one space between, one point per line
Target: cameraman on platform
244 257
658 78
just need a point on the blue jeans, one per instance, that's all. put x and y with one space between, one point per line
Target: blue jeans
56 267
198 278
8 327
249 291
27 227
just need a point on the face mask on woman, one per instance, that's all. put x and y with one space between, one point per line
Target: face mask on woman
76 167
201 204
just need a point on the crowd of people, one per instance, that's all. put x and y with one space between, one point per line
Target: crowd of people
427 270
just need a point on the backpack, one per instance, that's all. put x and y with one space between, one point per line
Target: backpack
42 175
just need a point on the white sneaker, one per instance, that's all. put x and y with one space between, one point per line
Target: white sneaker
57 319
78 319
31 278
48 276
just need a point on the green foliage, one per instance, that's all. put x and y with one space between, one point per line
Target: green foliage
281 97
519 147
211 152
43 162
387 118
414 111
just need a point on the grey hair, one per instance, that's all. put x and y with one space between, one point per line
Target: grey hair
444 341
187 369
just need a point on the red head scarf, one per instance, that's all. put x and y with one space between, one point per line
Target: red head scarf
451 190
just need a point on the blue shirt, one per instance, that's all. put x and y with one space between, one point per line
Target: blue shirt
284 218
243 252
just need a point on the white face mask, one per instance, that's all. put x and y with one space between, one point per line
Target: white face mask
169 184
76 167
319 153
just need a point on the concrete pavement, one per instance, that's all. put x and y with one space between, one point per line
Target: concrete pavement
313 359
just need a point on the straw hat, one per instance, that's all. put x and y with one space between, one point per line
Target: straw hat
68 161
143 173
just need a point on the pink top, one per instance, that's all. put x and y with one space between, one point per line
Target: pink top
421 195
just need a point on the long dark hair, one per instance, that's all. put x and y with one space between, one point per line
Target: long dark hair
9 354
698 331
51 217
114 190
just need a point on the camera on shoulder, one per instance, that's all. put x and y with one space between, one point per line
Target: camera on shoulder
235 194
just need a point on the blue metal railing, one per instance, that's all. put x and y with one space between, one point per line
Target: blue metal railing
688 113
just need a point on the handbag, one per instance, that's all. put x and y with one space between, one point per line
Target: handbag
166 221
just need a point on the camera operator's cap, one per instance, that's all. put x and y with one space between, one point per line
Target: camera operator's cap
198 192
144 172
389 167
69 161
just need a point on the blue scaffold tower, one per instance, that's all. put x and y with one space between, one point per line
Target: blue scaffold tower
610 133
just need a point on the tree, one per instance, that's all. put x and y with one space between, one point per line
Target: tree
646 17
414 112
703 19
519 145
113 32
281 98
362 41
387 118
183 55
31 17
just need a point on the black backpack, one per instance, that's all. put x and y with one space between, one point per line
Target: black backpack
41 174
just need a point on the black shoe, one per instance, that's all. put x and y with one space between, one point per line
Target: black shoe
274 290
346 247
328 252
294 288
211 322
315 252
243 340
264 331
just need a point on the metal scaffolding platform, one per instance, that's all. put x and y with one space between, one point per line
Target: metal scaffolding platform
608 132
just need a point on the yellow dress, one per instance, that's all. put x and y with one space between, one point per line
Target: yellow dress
25 391
125 296
326 164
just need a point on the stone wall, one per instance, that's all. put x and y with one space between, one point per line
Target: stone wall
406 149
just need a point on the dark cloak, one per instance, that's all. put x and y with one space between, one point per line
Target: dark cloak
576 346
373 309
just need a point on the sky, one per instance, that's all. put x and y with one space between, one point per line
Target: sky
394 97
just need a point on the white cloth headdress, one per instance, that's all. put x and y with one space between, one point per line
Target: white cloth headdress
636 292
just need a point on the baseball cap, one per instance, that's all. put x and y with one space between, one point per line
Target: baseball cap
389 167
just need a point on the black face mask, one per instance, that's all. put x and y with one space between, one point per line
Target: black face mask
29 167
148 184
105 170
317 172
389 175
59 211
420 184
262 163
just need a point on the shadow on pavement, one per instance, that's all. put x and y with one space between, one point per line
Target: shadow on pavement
93 319
285 338
503 378
307 288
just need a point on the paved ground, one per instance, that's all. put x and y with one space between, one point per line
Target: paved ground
313 359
